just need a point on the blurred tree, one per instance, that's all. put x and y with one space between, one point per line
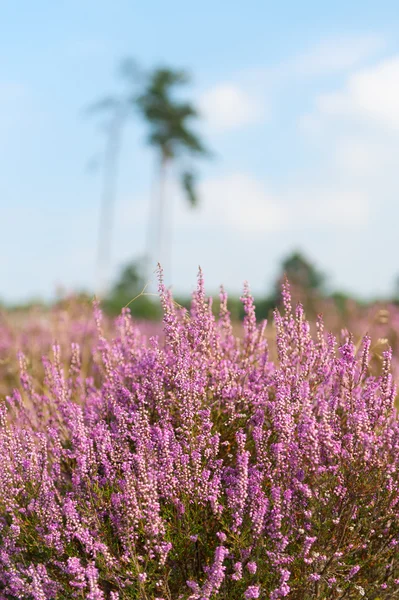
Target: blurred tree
301 272
169 121
395 298
341 301
116 109
131 280
129 289
305 279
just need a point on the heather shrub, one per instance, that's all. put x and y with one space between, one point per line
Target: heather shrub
33 333
194 466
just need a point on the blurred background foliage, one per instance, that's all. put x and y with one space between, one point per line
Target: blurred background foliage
308 285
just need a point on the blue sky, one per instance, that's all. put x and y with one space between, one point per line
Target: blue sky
300 104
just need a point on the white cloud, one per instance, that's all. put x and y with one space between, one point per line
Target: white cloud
337 54
357 125
228 107
332 206
232 105
333 56
370 95
355 129
358 156
241 203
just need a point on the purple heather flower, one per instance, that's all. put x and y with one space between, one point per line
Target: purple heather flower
130 437
237 575
252 566
353 571
252 592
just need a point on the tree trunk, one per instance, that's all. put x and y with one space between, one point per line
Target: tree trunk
152 229
110 173
160 253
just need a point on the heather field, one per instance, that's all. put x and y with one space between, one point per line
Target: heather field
198 458
163 437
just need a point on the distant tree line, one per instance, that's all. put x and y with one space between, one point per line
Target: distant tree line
308 285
